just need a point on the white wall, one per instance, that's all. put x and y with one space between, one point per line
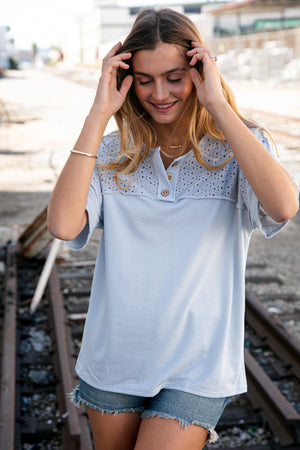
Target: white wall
116 23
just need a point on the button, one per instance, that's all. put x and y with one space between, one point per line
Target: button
175 164
165 192
170 177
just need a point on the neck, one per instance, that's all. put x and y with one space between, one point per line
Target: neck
170 134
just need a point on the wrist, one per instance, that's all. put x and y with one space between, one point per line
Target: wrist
218 109
98 114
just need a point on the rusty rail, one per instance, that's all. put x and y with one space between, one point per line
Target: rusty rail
14 427
283 419
275 336
78 436
8 369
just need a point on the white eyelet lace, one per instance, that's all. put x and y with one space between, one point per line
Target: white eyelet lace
191 181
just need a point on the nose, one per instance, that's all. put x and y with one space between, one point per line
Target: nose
160 92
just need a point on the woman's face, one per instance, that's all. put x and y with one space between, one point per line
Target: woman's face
162 83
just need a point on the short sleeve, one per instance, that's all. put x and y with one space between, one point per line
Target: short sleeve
94 208
257 215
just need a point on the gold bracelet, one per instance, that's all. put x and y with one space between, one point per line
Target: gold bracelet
83 153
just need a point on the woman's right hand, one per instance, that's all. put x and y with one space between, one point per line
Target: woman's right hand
66 212
109 99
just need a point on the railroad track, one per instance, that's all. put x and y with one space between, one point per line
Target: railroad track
34 411
37 367
38 352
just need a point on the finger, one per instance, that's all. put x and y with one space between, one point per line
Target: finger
120 64
201 55
110 68
117 61
116 65
195 50
125 86
197 57
199 51
121 56
195 77
197 44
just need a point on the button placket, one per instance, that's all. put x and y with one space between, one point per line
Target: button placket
172 175
167 179
165 192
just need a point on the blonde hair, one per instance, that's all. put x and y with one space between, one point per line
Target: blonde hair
137 133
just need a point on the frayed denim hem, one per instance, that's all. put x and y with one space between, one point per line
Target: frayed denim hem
212 435
77 400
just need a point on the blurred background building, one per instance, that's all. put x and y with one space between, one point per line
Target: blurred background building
113 19
258 38
252 38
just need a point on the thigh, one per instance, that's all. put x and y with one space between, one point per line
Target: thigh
191 418
114 432
114 417
158 433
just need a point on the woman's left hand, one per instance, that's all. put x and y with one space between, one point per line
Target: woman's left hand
209 90
272 185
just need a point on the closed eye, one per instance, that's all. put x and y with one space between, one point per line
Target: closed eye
144 82
176 80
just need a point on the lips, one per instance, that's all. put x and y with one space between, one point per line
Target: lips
163 107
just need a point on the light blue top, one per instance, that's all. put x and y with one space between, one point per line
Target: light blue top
167 300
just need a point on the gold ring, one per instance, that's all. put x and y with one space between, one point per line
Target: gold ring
213 58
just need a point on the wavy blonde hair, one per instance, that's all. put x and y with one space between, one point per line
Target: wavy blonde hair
137 132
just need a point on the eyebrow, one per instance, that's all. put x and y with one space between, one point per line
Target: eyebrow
168 72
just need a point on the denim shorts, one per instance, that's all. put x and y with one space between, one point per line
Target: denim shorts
187 409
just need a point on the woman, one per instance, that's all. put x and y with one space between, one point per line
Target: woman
178 191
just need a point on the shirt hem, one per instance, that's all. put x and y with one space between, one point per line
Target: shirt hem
144 393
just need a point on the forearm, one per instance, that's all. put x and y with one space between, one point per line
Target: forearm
270 182
66 211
